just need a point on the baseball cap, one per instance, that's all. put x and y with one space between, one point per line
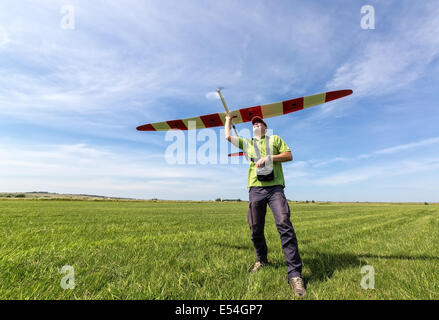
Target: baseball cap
258 119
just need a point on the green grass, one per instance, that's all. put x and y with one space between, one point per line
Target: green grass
184 250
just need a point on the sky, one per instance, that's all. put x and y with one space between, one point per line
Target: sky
77 78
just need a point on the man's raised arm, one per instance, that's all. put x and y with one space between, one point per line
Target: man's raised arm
227 130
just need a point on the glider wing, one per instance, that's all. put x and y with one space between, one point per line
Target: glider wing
246 114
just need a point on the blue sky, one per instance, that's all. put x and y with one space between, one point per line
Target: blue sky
70 99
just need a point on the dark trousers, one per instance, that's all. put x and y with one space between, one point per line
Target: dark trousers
274 196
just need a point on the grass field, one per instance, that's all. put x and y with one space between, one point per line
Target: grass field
184 250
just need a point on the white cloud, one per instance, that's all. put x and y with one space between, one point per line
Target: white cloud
385 151
360 172
4 37
213 95
334 160
80 168
394 61
408 146
132 57
368 172
296 169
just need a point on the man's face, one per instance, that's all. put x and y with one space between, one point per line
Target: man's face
259 129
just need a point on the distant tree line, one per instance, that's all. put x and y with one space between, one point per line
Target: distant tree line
16 195
221 200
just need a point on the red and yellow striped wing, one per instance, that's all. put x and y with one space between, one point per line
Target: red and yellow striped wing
246 114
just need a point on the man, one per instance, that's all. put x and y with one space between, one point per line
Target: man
263 191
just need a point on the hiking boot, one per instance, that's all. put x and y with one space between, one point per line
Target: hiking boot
258 265
298 286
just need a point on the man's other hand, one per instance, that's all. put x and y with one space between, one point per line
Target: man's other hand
261 162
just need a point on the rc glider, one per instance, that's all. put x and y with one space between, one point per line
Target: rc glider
246 114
